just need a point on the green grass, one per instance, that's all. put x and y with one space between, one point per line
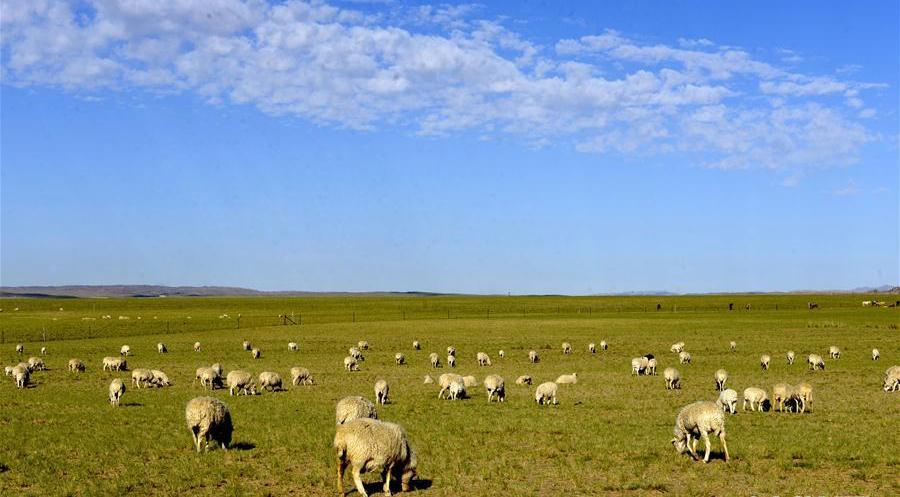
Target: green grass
609 435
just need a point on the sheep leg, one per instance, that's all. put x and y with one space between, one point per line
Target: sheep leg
341 466
706 441
359 484
691 447
724 445
387 479
441 393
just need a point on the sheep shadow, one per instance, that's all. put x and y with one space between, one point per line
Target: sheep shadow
242 446
377 487
3 468
131 404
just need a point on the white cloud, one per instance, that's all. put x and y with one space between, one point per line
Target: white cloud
437 70
846 191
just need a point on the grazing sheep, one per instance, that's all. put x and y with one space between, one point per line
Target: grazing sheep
428 380
891 379
470 381
196 346
677 348
43 350
494 385
603 345
684 357
451 350
673 379
247 345
567 379
363 345
210 379
875 354
355 353
524 380
8 370
445 380
815 362
350 364
240 381
696 421
545 393
199 372
371 445
566 348
161 348
728 400
125 350
790 357
116 391
721 378
483 359
435 361
834 352
159 379
271 381
301 376
255 353
533 357
76 366
208 418
293 347
640 365
141 377
417 345
400 359
114 364
781 394
451 361
757 399
733 346
217 368
592 348
20 349
801 396
764 361
651 366
36 364
381 392
353 407
501 354
21 375
457 390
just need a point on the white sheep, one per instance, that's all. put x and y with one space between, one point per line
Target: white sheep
639 365
36 364
371 445
43 350
445 380
592 348
115 364
399 358
875 354
781 394
363 345
160 379
815 362
684 357
161 348
603 345
293 347
697 421
451 361
457 390
891 379
651 366
141 377
834 352
673 379
451 350
483 359
381 392
353 407
501 353
20 349
790 357
218 369
567 379
435 360
524 380
545 393
9 370
76 366
801 397
677 348
125 350
494 385
21 375
208 418
210 379
240 381
271 381
733 345
764 361
246 345
566 348
756 398
255 353
116 391
355 353
416 345
533 357
350 364
196 346
728 400
301 376
721 377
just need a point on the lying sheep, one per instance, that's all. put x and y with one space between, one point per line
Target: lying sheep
400 359
353 407
566 348
196 346
721 377
567 379
533 357
240 381
363 345
756 398
764 361
834 352
545 393
501 354
470 381
368 445
435 361
673 379
208 418
733 346
114 364
161 348
21 375
875 354
20 349
801 397
125 350
350 364
428 380
651 366
699 420
255 353
891 379
141 377
271 381
524 380
246 345
445 380
451 350
790 357
483 359
76 366
684 357
159 379
728 400
815 362
781 393
116 391
592 348
36 364
416 345
451 361
293 347
494 385
381 392
603 345
301 376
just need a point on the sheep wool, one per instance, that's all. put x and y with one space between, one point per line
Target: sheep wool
699 420
369 445
208 418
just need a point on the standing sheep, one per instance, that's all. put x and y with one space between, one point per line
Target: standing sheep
293 347
141 377
764 361
400 359
210 379
125 350
372 445
255 353
350 364
603 345
301 376
271 381
20 349
240 381
523 380
636 366
21 375
445 380
781 395
733 346
592 348
875 354
677 348
451 350
353 407
76 366
834 352
533 357
161 348
36 364
815 362
217 368
567 379
891 379
247 345
728 400
790 357
196 346
208 418
457 390
545 393
416 345
801 396
483 359
501 354
435 361
684 357
494 385
43 350
451 361
673 379
116 391
355 353
721 377
566 348
651 366
757 399
381 392
363 345
115 364
696 421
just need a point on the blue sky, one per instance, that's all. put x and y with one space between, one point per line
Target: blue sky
509 147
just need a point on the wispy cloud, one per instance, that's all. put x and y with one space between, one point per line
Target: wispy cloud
846 191
437 70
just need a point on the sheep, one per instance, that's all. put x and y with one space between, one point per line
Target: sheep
875 354
196 346
764 361
756 398
567 379
684 357
781 395
790 357
247 345
381 392
8 370
639 365
36 364
363 345
451 350
208 418
114 364
428 380
271 381
566 348
435 361
25 365
457 390
355 353
501 353
240 381
651 366
533 357
733 346
545 393
592 348
451 361
293 347
834 352
470 381
891 380
20 349
301 376
416 345
217 368
43 350
21 375
372 445
677 348
801 396
160 379
141 377
350 364
673 379
161 348
255 353
483 359
494 385
728 400
399 358
116 391
524 380
125 350
445 380
698 420
721 377
209 378
603 345
815 362
353 407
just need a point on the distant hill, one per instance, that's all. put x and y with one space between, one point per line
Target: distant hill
86 291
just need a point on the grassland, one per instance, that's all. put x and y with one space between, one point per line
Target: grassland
609 435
